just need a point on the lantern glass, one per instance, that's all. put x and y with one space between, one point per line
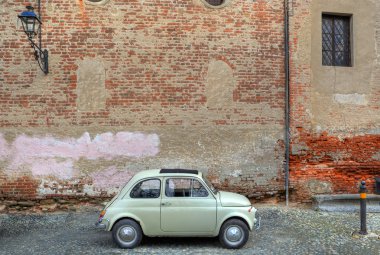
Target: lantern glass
30 24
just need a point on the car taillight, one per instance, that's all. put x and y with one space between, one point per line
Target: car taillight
102 213
250 209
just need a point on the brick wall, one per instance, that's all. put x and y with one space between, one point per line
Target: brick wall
142 84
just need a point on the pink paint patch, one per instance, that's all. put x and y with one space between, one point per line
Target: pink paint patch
50 167
127 144
106 145
110 178
54 157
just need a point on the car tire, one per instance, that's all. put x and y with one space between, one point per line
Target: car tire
127 234
233 234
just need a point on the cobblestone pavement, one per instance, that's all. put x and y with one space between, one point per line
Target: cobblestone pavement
284 231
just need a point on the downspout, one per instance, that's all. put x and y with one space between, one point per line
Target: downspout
39 17
287 98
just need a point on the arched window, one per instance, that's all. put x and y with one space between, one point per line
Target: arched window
215 2
97 2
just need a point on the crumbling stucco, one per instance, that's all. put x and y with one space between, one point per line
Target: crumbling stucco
353 99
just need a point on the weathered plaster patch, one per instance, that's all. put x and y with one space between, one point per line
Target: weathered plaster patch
91 88
48 187
110 178
355 99
62 170
49 156
299 149
375 131
376 156
4 148
104 182
236 173
319 187
220 84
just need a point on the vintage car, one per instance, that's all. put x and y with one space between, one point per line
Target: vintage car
176 203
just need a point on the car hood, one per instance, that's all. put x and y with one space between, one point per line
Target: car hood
233 199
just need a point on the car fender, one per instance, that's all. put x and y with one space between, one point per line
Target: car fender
125 215
232 212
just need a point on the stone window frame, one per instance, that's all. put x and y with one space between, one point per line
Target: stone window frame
226 3
97 2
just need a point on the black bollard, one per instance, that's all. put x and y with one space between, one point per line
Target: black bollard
363 209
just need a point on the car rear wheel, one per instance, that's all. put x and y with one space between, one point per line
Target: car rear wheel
233 234
127 233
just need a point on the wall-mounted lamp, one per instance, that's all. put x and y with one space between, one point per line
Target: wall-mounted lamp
31 23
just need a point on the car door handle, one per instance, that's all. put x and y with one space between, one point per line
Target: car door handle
165 203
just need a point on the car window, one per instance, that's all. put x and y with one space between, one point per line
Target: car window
146 189
184 187
198 190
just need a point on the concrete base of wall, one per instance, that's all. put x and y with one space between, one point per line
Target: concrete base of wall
345 203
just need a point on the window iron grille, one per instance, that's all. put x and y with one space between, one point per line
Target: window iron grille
336 46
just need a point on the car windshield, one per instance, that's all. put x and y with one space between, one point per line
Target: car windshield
214 190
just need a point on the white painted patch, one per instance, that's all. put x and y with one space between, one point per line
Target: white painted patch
355 99
89 190
236 173
47 187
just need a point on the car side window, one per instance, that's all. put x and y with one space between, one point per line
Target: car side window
198 190
146 189
184 187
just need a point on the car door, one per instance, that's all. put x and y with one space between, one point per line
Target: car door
187 206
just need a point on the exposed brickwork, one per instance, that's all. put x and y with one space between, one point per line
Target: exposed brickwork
21 187
341 162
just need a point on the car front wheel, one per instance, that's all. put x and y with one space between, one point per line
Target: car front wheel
127 234
233 234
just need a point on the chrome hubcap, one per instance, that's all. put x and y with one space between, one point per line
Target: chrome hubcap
234 234
127 234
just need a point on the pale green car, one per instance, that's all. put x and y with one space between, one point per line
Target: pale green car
177 203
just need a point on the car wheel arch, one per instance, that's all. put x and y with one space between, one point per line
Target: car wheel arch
233 217
127 218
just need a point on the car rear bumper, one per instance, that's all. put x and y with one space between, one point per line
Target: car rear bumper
257 223
103 224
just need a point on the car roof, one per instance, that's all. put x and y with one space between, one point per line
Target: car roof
167 172
178 171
